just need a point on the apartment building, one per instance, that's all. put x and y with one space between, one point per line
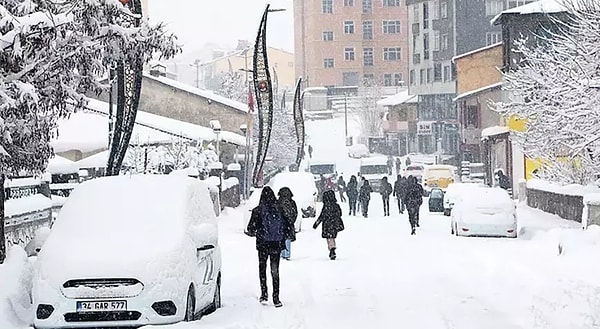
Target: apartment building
440 30
342 42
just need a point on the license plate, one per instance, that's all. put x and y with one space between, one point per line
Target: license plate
102 306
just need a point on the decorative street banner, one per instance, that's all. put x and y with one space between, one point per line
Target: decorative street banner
129 84
264 97
299 122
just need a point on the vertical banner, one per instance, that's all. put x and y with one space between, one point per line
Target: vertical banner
264 97
299 122
129 85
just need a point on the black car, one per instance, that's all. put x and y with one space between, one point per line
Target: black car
436 200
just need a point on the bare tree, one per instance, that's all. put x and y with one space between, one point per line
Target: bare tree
368 114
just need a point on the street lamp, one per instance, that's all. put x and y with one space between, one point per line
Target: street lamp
216 127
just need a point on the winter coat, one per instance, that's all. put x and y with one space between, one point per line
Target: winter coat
329 185
503 181
365 191
386 189
414 194
400 188
341 185
352 190
269 226
290 212
330 217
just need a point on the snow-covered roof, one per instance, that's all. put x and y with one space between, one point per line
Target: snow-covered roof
200 92
477 91
493 131
400 98
98 160
472 52
538 7
60 165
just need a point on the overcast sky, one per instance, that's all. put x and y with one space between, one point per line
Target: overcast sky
197 22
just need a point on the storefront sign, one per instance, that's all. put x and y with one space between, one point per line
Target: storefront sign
424 128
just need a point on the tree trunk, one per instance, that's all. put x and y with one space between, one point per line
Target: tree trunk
2 238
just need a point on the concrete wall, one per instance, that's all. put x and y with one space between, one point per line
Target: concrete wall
566 206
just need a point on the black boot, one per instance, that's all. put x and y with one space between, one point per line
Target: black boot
332 254
264 297
277 302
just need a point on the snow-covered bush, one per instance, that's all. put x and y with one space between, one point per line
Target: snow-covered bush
15 301
556 87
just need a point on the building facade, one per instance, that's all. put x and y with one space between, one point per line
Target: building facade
440 30
343 42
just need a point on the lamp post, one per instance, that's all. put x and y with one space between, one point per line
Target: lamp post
216 127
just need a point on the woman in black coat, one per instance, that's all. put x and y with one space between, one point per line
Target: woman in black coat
269 226
331 218
352 192
365 196
413 201
290 212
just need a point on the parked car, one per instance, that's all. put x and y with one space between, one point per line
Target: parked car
491 213
455 191
439 176
130 251
358 151
436 200
327 168
415 170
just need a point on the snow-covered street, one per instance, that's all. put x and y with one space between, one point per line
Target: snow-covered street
385 278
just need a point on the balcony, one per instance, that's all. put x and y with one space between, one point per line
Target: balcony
395 126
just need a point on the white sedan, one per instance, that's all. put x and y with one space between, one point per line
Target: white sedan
487 212
455 192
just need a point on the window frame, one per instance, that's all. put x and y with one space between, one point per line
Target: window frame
388 51
392 27
367 26
349 27
369 52
328 33
328 63
349 54
327 6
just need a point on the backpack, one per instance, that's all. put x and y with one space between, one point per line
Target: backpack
273 224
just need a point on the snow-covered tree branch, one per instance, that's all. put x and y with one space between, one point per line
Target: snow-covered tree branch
557 89
369 114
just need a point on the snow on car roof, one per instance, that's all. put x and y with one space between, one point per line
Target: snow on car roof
60 165
373 161
488 197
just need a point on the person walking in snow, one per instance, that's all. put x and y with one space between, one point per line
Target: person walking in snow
390 164
398 166
268 225
329 186
321 187
400 188
290 212
341 187
360 182
386 191
364 196
310 151
413 201
352 192
331 220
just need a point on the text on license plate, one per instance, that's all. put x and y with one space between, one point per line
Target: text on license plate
95 306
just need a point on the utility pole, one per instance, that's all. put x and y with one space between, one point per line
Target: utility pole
197 65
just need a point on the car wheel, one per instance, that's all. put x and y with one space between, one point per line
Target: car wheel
216 303
190 307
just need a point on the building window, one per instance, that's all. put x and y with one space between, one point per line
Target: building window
367 6
493 37
368 79
471 116
422 77
425 45
444 42
425 15
367 30
517 3
349 54
435 11
444 10
416 13
391 27
437 72
398 79
493 7
327 35
392 54
368 57
391 3
415 38
411 77
429 75
327 6
436 41
447 76
387 80
349 27
328 63
349 3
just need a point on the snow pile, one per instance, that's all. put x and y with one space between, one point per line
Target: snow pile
60 165
571 242
26 204
230 182
572 189
15 280
35 245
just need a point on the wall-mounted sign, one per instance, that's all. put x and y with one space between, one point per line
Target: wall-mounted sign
424 128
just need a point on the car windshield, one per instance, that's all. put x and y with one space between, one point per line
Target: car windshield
438 194
374 169
322 169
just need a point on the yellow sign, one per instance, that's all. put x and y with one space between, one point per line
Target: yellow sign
517 124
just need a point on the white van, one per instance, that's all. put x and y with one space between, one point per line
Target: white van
130 251
374 169
323 167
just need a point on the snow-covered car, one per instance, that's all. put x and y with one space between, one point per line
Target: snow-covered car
327 168
130 251
373 170
415 170
303 188
489 212
358 151
455 191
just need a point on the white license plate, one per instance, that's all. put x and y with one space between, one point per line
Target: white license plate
102 306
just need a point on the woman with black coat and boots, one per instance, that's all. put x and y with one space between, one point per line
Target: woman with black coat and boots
331 218
269 226
364 196
352 192
386 191
290 212
413 201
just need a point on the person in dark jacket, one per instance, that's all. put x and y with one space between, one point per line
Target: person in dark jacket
290 212
352 192
364 195
331 218
321 187
386 191
400 188
503 180
413 201
341 187
268 225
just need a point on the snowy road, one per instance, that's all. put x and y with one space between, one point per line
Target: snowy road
385 278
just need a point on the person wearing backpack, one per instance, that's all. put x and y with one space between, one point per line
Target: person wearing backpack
331 218
290 212
269 225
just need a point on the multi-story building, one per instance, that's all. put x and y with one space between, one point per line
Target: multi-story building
440 30
342 42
